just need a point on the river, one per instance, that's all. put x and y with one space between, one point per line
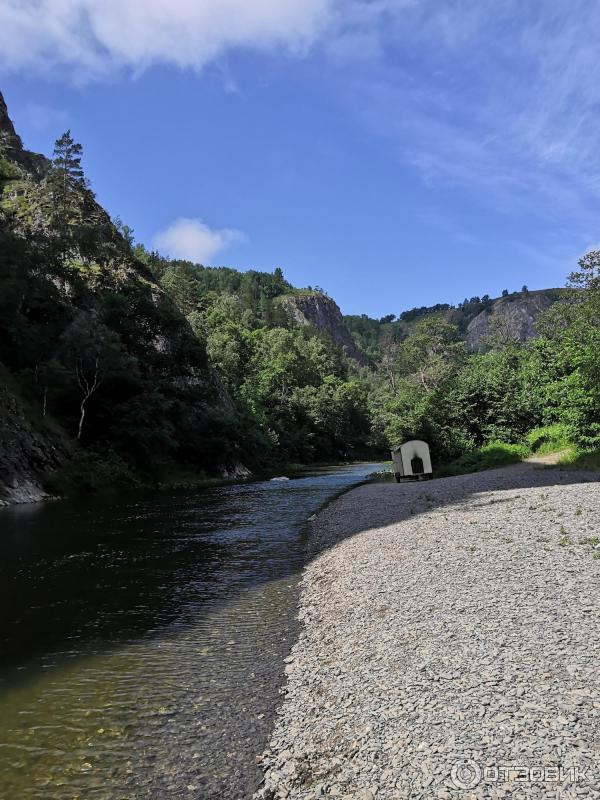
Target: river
143 638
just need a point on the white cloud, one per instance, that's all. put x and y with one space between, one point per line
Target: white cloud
503 96
97 37
193 240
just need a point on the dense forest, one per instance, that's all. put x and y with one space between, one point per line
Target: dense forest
141 368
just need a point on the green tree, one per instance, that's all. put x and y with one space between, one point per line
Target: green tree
66 180
433 352
89 353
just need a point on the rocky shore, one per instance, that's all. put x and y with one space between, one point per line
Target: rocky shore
450 644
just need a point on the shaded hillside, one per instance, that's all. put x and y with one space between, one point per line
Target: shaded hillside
147 368
92 342
30 446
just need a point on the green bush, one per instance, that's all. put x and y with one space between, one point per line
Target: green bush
92 471
549 439
494 454
581 459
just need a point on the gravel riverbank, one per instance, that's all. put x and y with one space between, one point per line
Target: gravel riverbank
450 644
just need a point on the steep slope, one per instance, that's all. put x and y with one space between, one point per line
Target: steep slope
87 332
510 318
324 315
11 146
29 448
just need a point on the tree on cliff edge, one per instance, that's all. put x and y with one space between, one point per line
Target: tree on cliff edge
67 181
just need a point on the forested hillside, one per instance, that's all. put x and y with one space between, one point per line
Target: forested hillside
136 368
512 316
120 367
528 381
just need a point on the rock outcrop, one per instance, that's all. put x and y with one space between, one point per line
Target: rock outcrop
509 318
11 146
323 314
28 449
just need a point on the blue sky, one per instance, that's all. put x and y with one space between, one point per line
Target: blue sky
394 152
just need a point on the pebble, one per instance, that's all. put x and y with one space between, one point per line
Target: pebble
445 627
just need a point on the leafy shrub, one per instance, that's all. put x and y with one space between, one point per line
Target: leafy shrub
91 471
549 439
494 454
581 459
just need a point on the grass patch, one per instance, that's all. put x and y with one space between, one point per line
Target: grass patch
555 439
382 476
581 459
494 454
550 439
593 540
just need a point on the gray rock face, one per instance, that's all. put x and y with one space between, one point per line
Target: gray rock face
11 146
27 452
237 472
509 318
324 314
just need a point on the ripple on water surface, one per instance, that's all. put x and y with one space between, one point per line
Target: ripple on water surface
143 638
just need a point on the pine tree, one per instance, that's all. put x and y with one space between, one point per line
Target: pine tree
66 180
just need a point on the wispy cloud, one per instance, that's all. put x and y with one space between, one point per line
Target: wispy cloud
503 97
193 240
500 96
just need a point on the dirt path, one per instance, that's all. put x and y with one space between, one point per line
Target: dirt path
451 635
548 459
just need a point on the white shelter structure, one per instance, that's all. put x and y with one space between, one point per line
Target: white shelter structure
412 460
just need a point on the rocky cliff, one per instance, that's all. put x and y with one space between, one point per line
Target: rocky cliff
510 318
11 146
323 314
29 448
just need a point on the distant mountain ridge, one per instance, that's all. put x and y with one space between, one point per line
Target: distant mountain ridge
512 316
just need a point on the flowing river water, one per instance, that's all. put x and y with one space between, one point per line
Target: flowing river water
143 636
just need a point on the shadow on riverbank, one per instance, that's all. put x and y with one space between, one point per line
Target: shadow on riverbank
398 502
